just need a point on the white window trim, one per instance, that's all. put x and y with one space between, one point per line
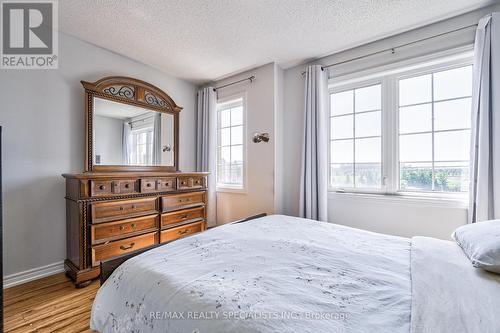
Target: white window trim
389 76
228 188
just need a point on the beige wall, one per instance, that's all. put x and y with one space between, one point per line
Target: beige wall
258 196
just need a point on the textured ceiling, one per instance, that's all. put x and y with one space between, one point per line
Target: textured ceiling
201 40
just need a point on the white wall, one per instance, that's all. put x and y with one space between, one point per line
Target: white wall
393 217
258 196
108 140
42 113
167 138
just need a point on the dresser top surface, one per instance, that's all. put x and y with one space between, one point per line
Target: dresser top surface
145 174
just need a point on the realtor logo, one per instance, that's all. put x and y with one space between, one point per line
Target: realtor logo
29 35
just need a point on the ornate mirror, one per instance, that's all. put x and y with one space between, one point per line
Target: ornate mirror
131 125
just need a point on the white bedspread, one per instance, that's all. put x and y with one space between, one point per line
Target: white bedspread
275 274
448 293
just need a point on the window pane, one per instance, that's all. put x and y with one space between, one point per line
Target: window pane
451 177
341 127
368 150
453 114
237 116
225 136
415 90
415 148
237 154
223 174
224 118
224 155
342 175
342 151
342 103
368 98
237 174
367 175
230 142
453 83
237 135
452 146
416 176
368 124
416 118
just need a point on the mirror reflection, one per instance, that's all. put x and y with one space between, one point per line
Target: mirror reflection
131 135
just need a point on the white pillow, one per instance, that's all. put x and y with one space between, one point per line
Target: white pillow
481 244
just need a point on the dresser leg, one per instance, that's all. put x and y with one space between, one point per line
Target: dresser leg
81 278
82 284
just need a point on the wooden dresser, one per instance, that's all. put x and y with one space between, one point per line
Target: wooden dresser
112 213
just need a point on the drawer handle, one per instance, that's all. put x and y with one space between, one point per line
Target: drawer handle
183 217
185 231
123 227
148 184
121 208
167 184
123 247
185 200
102 187
127 185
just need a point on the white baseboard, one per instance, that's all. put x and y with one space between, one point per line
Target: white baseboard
32 274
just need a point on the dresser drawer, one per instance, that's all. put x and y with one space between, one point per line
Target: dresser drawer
190 183
116 248
148 185
180 201
166 184
181 216
117 210
120 229
125 186
101 188
179 232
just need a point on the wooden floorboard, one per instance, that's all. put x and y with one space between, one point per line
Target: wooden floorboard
51 304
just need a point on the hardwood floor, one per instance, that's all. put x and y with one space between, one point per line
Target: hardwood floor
51 304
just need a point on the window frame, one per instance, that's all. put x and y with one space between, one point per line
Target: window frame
232 188
148 145
388 76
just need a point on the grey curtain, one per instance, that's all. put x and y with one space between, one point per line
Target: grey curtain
127 142
206 146
484 194
157 139
314 174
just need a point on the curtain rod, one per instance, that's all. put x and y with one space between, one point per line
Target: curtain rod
251 78
393 49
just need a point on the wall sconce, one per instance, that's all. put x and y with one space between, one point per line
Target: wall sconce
260 137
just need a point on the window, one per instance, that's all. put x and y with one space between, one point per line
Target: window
140 140
142 147
403 130
355 138
230 143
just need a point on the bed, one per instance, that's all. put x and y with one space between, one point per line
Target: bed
286 274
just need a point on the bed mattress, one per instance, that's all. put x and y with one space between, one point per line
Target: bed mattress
278 274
